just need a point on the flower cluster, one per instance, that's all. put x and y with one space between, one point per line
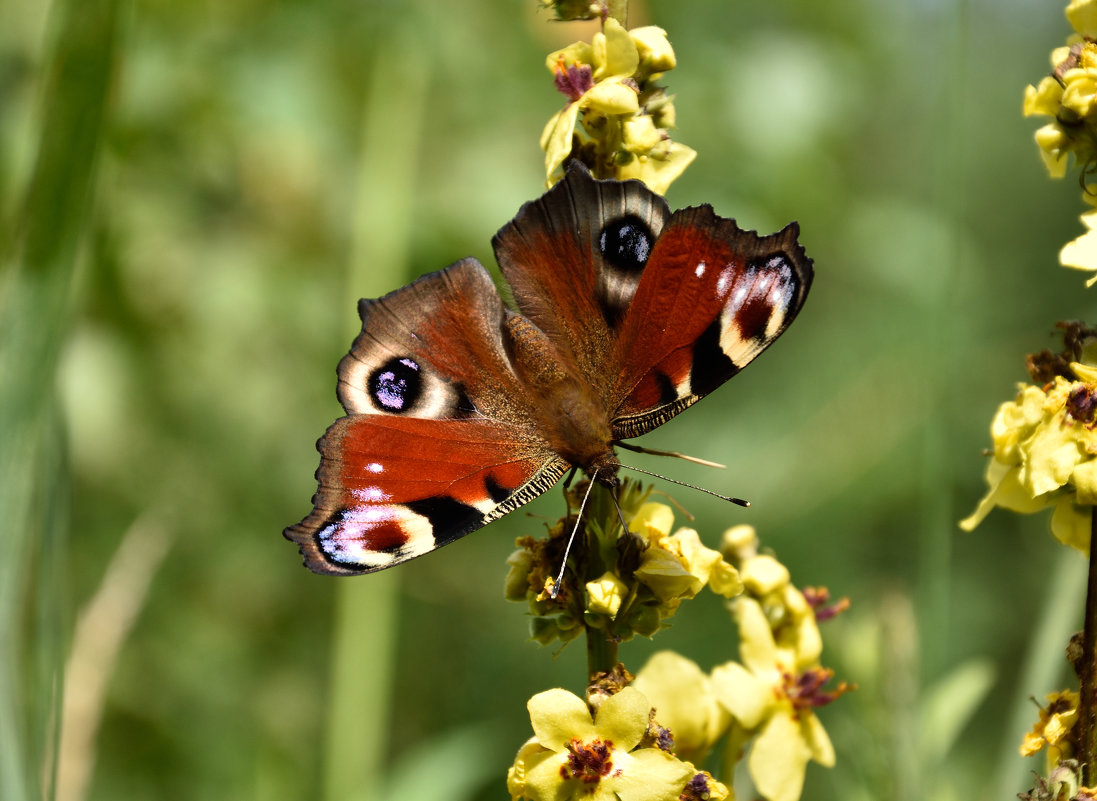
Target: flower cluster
773 691
607 747
1045 443
619 582
616 118
644 740
1055 729
1069 96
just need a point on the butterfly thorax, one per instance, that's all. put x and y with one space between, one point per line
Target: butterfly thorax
570 417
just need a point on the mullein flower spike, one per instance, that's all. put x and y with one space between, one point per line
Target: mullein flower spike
1045 445
616 117
1069 96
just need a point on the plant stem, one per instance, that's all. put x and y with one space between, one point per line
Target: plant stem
618 9
601 652
1087 673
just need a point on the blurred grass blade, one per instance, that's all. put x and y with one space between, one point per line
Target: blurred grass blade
34 301
949 705
360 703
101 630
449 767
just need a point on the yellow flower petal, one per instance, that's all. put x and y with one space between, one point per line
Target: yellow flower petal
724 580
1070 523
1044 98
611 97
778 760
1082 15
650 775
739 542
656 54
623 718
653 518
1052 455
757 648
615 54
640 134
1078 94
666 575
749 699
822 750
763 574
682 696
575 53
1084 481
1085 372
1081 253
605 594
557 716
557 139
659 172
529 757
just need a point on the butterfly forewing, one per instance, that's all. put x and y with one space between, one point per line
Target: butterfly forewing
712 298
573 259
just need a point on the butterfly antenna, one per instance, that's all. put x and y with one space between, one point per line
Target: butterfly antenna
567 549
728 498
696 460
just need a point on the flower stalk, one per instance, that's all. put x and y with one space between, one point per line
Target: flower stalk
1087 670
618 10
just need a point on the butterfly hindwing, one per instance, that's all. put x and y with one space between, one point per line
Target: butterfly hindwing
393 488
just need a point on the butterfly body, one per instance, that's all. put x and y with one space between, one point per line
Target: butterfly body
461 409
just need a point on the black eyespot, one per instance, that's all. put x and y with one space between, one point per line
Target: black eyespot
626 243
396 385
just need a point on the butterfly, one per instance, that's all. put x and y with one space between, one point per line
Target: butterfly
461 408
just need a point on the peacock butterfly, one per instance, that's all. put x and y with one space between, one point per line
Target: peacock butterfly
461 409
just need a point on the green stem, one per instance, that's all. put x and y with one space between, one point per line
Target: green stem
618 9
601 652
1087 672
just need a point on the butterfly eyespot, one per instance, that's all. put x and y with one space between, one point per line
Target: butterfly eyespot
396 385
626 243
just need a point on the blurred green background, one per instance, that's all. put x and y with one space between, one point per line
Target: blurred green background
180 278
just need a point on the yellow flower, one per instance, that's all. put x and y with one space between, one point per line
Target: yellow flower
1054 728
767 694
592 77
684 702
1068 96
573 755
1045 444
678 566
